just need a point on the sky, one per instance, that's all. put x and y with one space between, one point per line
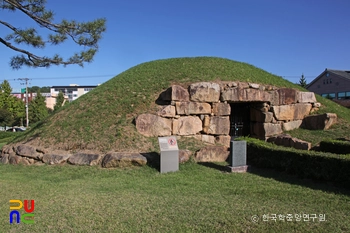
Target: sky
287 38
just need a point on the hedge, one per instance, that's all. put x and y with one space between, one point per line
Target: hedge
321 166
335 146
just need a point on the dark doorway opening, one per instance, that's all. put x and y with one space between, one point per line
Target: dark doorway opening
240 120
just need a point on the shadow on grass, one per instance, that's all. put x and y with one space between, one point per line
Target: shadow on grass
295 180
286 178
222 168
153 160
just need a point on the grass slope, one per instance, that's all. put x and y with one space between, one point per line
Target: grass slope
102 119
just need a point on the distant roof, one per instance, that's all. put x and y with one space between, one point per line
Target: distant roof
341 73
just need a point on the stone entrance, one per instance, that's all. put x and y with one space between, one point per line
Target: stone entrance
240 120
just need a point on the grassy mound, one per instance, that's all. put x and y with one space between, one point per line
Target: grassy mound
102 119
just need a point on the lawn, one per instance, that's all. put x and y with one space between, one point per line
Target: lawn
197 198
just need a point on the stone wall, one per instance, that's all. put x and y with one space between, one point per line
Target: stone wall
31 155
203 109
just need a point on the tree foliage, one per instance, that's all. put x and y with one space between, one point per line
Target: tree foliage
87 34
10 104
302 81
34 89
6 118
37 110
59 101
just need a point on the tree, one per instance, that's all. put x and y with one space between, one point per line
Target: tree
59 101
10 103
37 108
302 81
34 89
6 118
86 34
5 94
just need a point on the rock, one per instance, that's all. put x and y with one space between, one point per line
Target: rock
262 107
85 158
206 123
31 161
204 92
208 139
246 95
291 112
151 125
221 109
316 105
184 156
287 141
301 145
212 154
218 125
4 158
243 85
263 130
195 108
287 126
56 157
7 149
223 140
121 159
306 97
319 122
42 150
179 93
26 151
176 93
14 159
187 125
166 111
287 96
24 161
254 85
258 116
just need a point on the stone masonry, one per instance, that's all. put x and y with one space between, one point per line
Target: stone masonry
203 110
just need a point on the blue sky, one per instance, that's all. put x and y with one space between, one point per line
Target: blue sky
283 37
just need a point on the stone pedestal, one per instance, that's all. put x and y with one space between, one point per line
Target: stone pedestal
239 169
238 157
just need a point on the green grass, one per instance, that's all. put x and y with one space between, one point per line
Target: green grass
195 199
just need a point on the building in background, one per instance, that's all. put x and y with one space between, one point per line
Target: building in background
334 85
71 92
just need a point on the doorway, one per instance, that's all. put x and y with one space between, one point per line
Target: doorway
240 120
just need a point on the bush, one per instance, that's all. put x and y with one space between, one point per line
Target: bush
321 166
335 146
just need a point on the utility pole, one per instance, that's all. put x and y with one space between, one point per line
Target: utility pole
26 80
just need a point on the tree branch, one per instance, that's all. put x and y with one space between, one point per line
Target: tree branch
87 34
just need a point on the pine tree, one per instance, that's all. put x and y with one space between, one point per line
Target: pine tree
302 81
87 34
